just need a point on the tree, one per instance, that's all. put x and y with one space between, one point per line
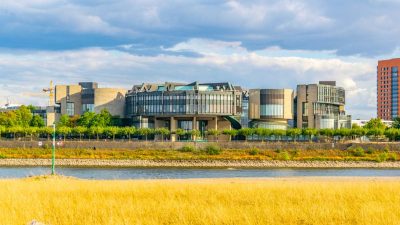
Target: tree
64 131
279 133
145 132
327 133
392 134
23 116
31 131
64 121
194 133
163 132
15 130
245 132
37 121
112 131
103 119
310 132
180 132
48 131
230 133
214 133
127 131
294 133
97 131
86 119
396 123
2 130
355 126
375 132
375 124
79 130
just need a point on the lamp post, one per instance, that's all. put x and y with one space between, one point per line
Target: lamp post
53 152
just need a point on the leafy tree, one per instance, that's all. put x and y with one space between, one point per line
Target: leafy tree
245 132
37 121
8 119
2 130
74 121
64 121
310 132
103 119
163 132
15 130
111 131
396 123
97 131
23 116
355 126
86 119
375 124
64 131
279 133
79 130
231 133
375 132
145 132
215 133
31 131
392 134
47 131
328 133
180 132
194 133
293 132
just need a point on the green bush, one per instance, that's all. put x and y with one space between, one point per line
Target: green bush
254 151
2 156
382 157
213 150
392 157
370 150
187 148
358 152
283 156
386 149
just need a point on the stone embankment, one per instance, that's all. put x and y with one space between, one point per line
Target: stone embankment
199 163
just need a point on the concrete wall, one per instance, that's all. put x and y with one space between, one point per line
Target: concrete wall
74 97
111 99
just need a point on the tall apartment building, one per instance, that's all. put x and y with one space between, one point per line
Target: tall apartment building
388 89
321 106
76 99
270 108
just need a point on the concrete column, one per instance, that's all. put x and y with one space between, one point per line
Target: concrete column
195 123
173 124
216 123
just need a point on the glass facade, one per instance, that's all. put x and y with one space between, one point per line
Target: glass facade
183 103
331 94
70 108
271 103
87 108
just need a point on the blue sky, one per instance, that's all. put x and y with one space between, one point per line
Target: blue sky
255 44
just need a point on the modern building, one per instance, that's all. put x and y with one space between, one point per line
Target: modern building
321 106
270 108
77 99
361 123
388 89
200 106
244 119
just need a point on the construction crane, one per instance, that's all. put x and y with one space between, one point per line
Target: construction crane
50 91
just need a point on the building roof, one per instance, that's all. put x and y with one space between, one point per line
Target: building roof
194 86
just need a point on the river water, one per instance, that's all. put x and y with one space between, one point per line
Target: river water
185 173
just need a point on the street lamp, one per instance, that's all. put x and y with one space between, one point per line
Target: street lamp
53 152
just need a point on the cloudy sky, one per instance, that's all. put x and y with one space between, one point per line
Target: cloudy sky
255 44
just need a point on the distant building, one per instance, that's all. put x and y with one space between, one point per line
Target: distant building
388 89
321 106
361 123
244 119
270 108
77 99
200 106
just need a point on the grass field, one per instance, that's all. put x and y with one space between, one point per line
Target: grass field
230 154
227 201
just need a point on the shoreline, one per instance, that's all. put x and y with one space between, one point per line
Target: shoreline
198 163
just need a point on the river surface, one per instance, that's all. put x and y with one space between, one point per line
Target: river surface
185 173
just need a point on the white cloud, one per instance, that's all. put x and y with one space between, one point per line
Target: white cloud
219 61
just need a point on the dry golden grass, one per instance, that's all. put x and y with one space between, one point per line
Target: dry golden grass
227 201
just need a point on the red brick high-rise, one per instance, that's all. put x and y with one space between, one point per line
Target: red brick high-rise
388 89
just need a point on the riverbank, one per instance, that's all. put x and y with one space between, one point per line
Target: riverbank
199 163
366 201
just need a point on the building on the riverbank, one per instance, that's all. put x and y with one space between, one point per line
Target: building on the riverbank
388 89
76 99
321 106
270 108
194 106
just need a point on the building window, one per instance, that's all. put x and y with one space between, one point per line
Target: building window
70 108
87 108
